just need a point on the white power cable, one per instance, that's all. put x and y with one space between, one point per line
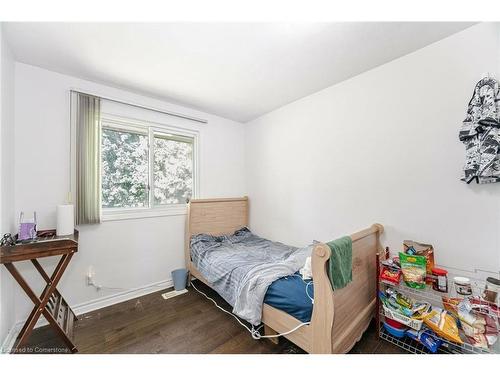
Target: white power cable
254 332
307 293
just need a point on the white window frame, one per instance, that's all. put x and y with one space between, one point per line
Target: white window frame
151 129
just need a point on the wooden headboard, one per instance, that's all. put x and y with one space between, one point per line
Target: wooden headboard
215 216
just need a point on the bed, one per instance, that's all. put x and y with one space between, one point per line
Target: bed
339 318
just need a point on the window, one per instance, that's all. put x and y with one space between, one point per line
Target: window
173 169
124 168
147 169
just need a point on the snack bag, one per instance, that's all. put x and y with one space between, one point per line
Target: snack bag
405 305
443 324
451 305
422 249
390 275
413 269
478 340
474 324
426 338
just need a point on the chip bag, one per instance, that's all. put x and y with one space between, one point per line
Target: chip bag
443 324
390 275
451 305
426 338
413 269
422 249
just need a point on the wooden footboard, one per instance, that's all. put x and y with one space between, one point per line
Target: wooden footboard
355 304
339 317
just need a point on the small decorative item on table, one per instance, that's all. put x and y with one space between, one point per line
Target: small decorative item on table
27 229
65 219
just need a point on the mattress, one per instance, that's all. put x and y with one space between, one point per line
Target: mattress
289 295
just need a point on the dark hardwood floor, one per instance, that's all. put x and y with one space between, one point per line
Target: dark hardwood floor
188 323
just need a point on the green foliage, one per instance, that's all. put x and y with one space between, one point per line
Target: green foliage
173 171
125 170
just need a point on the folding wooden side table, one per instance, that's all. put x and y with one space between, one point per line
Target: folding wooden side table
50 304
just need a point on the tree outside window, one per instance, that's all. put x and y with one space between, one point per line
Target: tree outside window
140 161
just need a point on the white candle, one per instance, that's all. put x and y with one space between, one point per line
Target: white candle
65 220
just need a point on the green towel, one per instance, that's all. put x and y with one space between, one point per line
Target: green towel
340 264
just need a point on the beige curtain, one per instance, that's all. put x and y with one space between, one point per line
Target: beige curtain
88 159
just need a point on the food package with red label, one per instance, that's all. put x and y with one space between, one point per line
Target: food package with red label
390 275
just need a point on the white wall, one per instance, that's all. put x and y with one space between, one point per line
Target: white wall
6 179
381 147
130 253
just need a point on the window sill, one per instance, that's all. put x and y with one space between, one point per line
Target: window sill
142 213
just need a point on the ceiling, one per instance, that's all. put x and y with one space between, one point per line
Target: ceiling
235 70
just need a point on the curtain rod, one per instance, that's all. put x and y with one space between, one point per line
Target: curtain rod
203 121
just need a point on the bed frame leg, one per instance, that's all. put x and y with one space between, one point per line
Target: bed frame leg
270 331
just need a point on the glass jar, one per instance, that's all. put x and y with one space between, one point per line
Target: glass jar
463 286
440 280
492 290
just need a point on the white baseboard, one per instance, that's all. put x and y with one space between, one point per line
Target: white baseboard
92 305
126 295
10 339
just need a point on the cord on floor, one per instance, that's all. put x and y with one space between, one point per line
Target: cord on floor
254 332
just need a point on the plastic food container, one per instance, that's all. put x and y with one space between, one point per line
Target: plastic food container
394 323
492 290
399 333
463 286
